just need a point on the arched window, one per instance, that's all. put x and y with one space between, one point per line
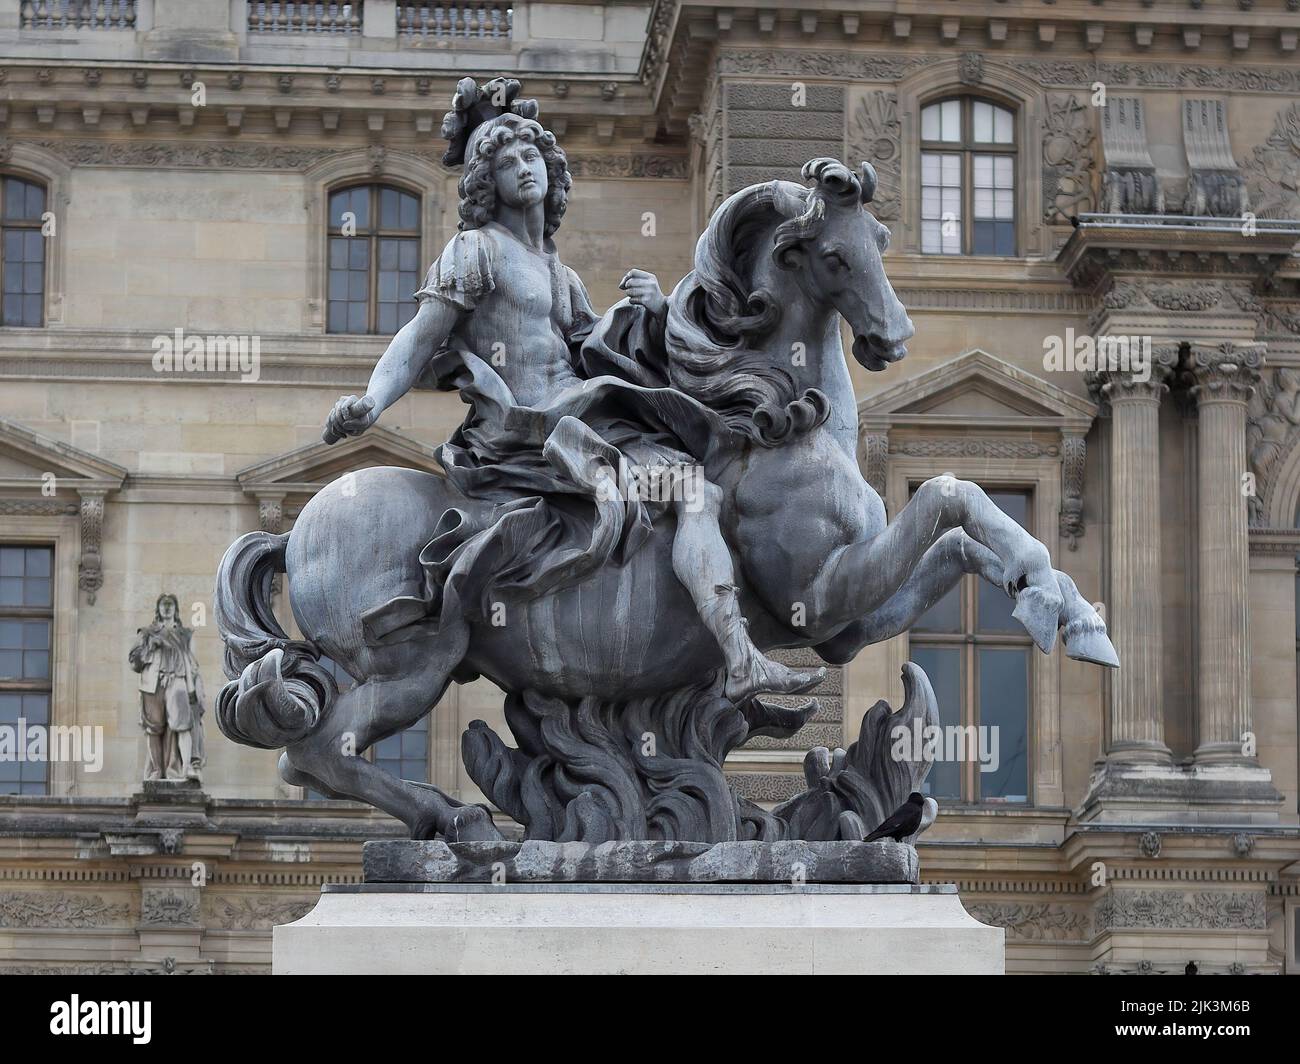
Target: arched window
968 178
374 259
22 252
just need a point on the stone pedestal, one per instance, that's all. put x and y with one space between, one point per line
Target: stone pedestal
644 929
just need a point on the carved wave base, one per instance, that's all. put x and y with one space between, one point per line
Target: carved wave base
411 861
642 929
598 771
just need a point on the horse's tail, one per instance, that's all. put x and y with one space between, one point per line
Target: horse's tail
278 691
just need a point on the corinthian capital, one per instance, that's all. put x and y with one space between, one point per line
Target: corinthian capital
1226 371
1136 381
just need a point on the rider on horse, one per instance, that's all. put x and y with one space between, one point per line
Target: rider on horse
565 451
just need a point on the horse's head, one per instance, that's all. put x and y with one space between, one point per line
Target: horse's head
834 246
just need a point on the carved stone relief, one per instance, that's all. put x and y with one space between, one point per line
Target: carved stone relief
874 136
1068 159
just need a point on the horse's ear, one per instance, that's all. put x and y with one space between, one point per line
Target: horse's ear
868 180
789 204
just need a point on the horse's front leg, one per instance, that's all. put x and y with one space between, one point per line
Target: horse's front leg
860 577
938 571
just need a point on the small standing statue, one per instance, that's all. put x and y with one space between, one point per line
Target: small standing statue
171 695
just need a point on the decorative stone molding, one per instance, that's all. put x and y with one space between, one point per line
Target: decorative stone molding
1179 910
874 135
971 68
840 66
994 300
873 454
1272 432
37 508
1214 184
257 913
1111 386
1272 169
974 447
50 473
177 155
1129 183
59 909
270 514
666 167
1149 844
1188 298
1227 370
1068 159
90 573
1035 923
1243 845
1074 454
170 907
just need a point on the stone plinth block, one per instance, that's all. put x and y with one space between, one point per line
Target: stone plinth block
411 861
645 928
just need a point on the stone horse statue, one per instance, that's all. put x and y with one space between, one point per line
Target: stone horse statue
615 690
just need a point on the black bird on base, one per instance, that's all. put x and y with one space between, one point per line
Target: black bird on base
903 821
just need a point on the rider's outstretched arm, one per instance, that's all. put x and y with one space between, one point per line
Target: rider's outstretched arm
409 352
397 370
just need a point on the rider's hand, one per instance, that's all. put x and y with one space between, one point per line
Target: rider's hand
350 417
642 288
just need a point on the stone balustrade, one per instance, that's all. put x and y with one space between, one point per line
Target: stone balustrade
77 14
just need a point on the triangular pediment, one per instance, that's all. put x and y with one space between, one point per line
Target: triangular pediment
28 460
308 469
977 389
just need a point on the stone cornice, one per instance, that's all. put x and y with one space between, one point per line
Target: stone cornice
1163 245
249 153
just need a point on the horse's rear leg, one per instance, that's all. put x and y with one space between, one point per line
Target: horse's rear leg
378 707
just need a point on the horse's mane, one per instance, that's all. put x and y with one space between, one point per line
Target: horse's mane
719 323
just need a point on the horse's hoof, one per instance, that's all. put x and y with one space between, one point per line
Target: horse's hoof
1040 613
473 823
1092 645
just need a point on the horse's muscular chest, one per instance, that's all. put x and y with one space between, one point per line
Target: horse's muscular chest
793 506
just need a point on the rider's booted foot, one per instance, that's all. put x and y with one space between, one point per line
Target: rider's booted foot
761 675
749 672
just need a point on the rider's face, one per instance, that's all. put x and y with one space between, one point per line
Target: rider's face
520 173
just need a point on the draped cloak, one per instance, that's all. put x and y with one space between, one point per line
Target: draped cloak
553 519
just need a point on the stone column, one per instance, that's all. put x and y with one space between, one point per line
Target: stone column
1221 378
1133 613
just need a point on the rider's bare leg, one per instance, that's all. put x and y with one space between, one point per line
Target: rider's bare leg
702 562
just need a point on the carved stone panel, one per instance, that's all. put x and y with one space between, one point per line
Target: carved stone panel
874 136
1068 159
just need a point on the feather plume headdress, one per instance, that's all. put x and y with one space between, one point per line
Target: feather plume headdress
474 106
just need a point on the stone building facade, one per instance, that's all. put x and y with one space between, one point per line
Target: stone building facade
1054 175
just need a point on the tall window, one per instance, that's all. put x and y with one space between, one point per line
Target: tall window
968 178
22 252
26 625
977 657
404 755
374 259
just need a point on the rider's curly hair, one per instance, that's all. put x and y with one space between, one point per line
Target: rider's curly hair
478 190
